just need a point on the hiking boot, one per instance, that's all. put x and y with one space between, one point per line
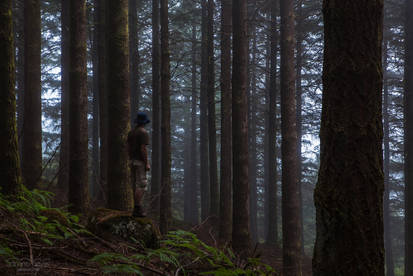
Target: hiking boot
138 212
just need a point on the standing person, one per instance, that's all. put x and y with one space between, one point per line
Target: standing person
138 139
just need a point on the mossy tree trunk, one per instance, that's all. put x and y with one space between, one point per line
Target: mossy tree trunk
117 42
78 134
240 225
225 215
349 193
9 159
32 122
165 204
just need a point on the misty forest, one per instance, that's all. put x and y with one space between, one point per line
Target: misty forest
206 137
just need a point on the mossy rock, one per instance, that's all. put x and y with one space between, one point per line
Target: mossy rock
114 224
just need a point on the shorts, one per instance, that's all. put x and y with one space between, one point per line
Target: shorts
138 175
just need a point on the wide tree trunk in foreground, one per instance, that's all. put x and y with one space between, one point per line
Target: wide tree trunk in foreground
117 43
349 192
165 206
78 134
291 226
156 114
271 198
32 122
408 140
9 159
240 225
225 215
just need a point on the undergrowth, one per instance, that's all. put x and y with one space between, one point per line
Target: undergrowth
29 226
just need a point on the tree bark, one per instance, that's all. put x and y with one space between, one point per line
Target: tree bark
119 188
408 140
225 217
213 174
134 59
165 206
203 117
291 226
272 235
9 161
252 133
78 134
298 97
156 114
103 101
18 19
32 122
349 193
240 226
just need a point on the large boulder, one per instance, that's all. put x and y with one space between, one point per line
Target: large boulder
120 225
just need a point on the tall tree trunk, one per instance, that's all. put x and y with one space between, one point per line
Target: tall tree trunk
18 19
291 226
252 133
272 235
188 204
32 122
191 200
95 109
78 138
213 174
103 101
203 117
63 180
156 114
165 206
119 188
134 59
266 133
408 140
9 161
225 215
298 97
240 226
386 165
349 193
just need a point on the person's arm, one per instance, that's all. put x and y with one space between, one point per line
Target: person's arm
144 154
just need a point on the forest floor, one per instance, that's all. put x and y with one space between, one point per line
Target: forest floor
40 240
269 254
